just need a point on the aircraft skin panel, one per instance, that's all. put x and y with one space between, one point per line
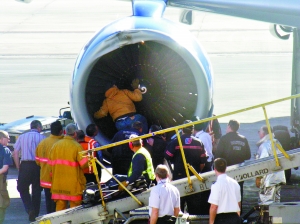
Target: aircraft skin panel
148 8
285 12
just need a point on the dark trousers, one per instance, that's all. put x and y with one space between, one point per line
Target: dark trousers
120 166
50 204
167 219
29 174
192 202
242 192
90 177
207 167
204 205
227 218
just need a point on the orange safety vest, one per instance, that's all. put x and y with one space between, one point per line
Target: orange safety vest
88 144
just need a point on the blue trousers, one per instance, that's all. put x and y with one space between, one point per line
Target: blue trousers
127 122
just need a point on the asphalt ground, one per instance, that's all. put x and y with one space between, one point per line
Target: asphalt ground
39 43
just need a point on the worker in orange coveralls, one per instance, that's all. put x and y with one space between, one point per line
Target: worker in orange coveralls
68 181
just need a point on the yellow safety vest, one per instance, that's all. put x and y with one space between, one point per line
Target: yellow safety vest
149 170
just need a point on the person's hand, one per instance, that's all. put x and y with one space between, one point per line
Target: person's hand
135 83
125 183
257 182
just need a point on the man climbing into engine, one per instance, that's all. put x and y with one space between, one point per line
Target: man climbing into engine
119 103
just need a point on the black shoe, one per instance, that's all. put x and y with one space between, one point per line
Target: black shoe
32 216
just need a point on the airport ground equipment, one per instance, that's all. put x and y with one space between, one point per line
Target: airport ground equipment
21 126
101 214
284 212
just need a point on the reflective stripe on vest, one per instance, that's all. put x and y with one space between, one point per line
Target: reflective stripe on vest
149 170
86 146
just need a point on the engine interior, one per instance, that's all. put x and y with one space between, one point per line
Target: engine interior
171 96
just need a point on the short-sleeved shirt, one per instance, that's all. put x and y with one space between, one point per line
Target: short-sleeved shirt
28 143
225 193
206 140
165 197
5 157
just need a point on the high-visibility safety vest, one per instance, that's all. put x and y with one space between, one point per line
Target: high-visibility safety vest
149 170
88 144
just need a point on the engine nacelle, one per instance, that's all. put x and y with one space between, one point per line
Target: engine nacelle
166 58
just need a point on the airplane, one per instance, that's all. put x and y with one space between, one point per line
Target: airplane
170 63
112 55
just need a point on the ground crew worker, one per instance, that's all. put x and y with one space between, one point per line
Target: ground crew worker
29 171
225 197
141 164
91 132
214 130
42 154
195 155
67 164
88 171
206 139
5 162
121 155
164 200
119 104
156 145
270 184
234 148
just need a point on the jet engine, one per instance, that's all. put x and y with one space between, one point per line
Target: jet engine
173 70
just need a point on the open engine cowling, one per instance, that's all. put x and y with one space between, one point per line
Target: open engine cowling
166 58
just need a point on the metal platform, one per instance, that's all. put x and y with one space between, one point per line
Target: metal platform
240 172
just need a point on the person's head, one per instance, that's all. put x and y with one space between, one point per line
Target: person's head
233 126
220 165
188 130
4 138
71 130
136 144
36 124
161 172
138 126
154 128
91 130
263 131
80 135
198 127
56 128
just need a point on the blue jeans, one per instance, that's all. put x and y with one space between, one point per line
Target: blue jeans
127 122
